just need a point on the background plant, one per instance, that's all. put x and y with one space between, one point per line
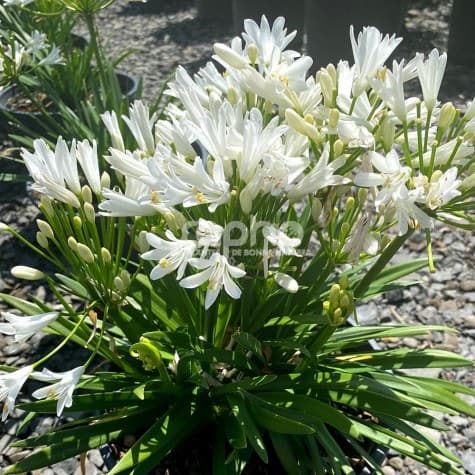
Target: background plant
245 334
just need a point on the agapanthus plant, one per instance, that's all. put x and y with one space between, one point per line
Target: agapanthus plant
219 262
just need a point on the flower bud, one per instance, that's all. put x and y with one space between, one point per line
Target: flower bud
286 282
85 253
470 112
4 227
72 243
119 284
338 148
334 294
245 199
106 255
86 194
141 242
233 96
252 53
230 56
105 180
45 228
317 208
388 132
446 115
46 206
27 273
42 240
333 118
90 213
298 123
343 282
328 87
125 277
77 223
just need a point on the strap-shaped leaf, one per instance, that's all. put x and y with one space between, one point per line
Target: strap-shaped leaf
75 441
249 342
241 412
162 437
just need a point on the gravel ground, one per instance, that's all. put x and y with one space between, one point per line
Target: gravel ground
170 34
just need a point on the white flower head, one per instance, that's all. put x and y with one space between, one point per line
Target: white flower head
209 234
112 125
370 52
431 73
141 125
219 273
63 390
25 326
285 244
10 385
171 255
87 157
442 188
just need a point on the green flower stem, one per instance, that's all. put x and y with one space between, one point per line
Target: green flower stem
61 345
380 264
429 251
426 131
101 336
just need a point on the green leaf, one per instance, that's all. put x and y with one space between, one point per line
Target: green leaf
74 286
249 342
234 432
285 453
65 444
162 437
403 358
245 419
24 306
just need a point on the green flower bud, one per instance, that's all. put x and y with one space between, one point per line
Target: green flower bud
85 253
148 353
106 255
45 228
72 243
446 115
86 194
338 147
119 284
333 118
27 273
90 213
252 53
233 96
105 180
77 223
42 240
317 208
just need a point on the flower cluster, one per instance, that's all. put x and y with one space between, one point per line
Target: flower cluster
259 183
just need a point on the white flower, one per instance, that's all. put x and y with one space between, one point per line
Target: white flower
218 273
209 234
171 255
279 239
408 214
53 57
370 53
392 177
138 200
112 126
320 176
22 3
87 157
445 152
431 73
141 125
10 385
24 327
391 89
55 174
270 43
63 390
442 188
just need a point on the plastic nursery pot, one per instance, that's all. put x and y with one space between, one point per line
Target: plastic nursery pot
462 33
293 12
34 120
215 10
327 25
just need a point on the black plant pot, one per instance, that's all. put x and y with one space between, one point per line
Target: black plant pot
37 121
293 12
327 25
219 10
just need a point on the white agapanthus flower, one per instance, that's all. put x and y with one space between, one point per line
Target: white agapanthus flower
218 273
370 52
112 125
441 188
87 157
22 327
63 390
172 255
21 3
10 386
209 234
431 73
320 176
391 179
285 244
141 125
